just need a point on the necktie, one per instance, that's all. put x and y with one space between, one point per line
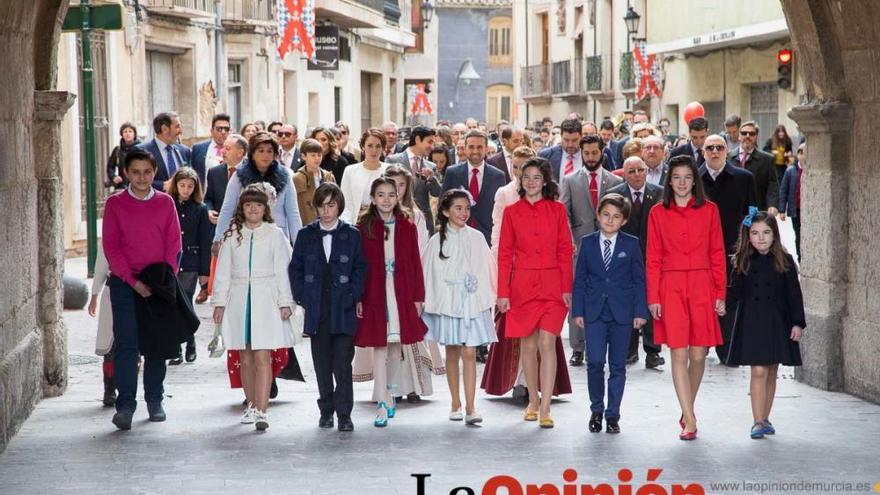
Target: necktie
219 151
414 163
594 190
169 160
742 159
474 188
638 201
569 165
230 171
606 253
699 154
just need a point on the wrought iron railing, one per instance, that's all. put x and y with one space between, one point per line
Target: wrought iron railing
627 74
535 80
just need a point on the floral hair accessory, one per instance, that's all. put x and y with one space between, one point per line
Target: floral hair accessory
470 197
747 221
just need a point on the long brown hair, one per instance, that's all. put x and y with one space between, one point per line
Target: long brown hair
185 173
683 161
744 250
370 215
253 193
407 202
332 147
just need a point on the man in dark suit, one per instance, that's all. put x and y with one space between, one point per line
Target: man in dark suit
424 172
642 196
698 129
165 149
392 147
565 158
760 164
209 152
732 189
511 139
289 153
481 180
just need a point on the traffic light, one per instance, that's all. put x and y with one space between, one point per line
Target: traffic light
784 72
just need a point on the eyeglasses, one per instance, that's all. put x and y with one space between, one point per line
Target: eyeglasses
532 178
748 133
714 147
221 129
344 133
284 134
652 147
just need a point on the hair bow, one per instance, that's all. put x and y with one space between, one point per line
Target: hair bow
470 197
747 221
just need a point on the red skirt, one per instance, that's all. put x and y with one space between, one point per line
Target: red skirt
233 365
687 310
535 303
502 365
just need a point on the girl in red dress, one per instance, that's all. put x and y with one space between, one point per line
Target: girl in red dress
686 279
535 279
394 294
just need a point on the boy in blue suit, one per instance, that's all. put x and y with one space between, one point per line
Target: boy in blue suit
327 274
609 300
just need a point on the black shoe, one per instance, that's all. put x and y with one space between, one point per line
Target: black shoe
190 354
577 358
326 421
122 420
109 399
157 412
654 360
596 422
273 392
345 424
413 398
612 426
176 361
632 359
244 402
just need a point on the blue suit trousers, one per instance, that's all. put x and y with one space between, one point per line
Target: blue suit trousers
606 337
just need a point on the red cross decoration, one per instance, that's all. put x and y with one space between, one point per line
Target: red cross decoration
420 104
647 72
296 21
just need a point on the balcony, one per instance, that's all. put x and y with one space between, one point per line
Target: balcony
598 76
352 13
627 74
244 13
535 82
186 9
568 79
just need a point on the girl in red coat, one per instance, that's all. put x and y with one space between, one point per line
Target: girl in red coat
535 279
686 279
394 294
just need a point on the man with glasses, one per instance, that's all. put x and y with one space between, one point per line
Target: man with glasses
642 196
290 155
760 164
732 189
391 134
209 153
274 126
652 154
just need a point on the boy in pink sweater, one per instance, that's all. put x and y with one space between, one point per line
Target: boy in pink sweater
140 228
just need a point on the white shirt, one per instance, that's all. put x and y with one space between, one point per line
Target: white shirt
508 158
287 156
148 197
409 162
327 240
481 171
602 238
715 173
654 175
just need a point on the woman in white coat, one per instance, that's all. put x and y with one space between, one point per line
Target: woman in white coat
357 178
252 297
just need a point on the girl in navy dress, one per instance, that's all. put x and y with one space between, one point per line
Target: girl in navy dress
769 317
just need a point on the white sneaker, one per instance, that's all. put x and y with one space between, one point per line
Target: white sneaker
473 419
456 416
249 416
262 420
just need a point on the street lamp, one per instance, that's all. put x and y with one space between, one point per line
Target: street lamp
466 74
427 13
631 19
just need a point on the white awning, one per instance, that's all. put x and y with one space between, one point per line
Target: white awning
743 35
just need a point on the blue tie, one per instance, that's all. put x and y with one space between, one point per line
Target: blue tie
169 160
606 253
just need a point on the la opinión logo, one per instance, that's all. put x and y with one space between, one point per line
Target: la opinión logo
509 485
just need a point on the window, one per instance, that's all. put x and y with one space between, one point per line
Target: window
235 93
499 42
498 102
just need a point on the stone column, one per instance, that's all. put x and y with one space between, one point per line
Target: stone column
825 238
49 110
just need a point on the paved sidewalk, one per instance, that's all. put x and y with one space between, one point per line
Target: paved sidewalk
70 446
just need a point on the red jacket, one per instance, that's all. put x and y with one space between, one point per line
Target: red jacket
535 237
409 286
685 239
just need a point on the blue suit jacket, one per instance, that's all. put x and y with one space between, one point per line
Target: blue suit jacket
215 190
493 179
182 154
553 154
622 286
199 152
348 273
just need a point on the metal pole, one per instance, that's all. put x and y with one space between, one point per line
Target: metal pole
88 103
628 49
218 58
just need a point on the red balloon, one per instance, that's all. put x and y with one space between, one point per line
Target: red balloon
692 111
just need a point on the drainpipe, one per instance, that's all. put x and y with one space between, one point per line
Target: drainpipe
218 56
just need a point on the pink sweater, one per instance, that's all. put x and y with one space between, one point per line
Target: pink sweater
139 233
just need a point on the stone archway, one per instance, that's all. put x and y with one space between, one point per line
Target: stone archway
837 51
32 339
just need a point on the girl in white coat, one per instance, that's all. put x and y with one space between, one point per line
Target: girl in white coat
252 297
460 295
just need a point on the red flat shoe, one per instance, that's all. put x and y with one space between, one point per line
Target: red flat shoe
688 435
681 421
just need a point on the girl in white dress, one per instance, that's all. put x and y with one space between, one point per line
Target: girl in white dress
357 178
252 298
460 294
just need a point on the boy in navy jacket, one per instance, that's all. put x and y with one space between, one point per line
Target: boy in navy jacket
609 300
327 274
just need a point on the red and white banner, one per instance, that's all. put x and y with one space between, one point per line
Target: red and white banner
647 72
296 25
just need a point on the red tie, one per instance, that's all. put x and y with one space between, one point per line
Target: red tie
475 192
569 166
594 189
230 171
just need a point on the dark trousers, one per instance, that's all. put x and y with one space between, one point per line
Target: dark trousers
796 224
332 355
647 332
189 281
125 351
606 337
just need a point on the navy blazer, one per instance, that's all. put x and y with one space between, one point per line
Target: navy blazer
457 176
553 154
686 149
348 273
196 233
199 152
788 191
622 286
215 191
182 154
498 161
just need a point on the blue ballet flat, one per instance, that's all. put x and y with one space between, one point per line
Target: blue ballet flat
768 428
381 422
391 411
757 431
